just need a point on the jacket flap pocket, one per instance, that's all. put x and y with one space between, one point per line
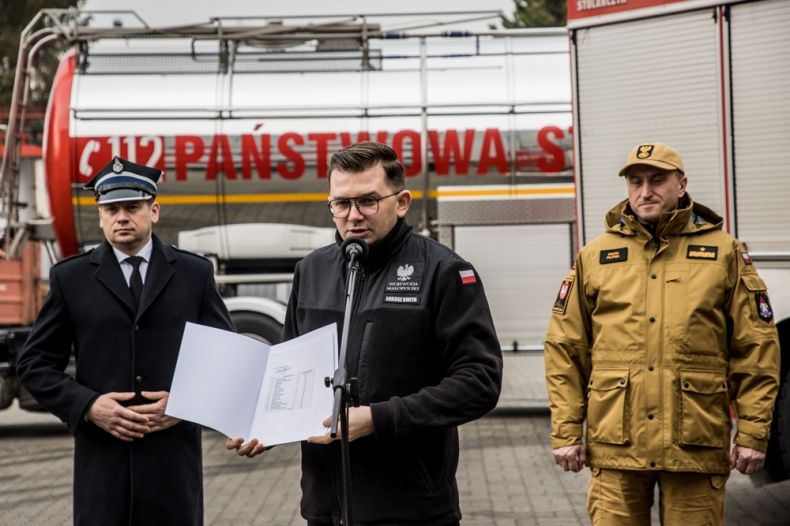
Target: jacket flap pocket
703 382
753 282
608 379
676 272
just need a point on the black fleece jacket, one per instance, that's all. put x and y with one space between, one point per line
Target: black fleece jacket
423 347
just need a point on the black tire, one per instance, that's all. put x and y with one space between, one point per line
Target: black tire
27 402
258 326
782 417
777 458
777 455
8 388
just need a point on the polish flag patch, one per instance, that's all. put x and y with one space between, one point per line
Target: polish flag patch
467 276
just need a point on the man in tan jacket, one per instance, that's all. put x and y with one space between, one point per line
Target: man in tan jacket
661 325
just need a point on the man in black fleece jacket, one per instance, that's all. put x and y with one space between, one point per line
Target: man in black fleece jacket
422 345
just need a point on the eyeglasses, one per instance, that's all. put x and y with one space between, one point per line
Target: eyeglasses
367 205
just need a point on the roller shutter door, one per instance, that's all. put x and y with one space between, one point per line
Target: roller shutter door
653 79
761 122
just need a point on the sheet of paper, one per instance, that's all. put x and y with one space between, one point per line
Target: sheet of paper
294 399
217 379
244 388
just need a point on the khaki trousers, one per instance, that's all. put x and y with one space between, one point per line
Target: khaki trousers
618 497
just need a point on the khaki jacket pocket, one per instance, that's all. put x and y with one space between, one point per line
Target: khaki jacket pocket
703 417
753 282
607 406
676 312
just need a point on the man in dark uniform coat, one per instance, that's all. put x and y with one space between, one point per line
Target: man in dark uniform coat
123 307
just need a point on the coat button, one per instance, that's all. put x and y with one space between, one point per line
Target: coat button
686 385
650 367
138 379
652 464
136 327
652 319
650 417
653 276
622 381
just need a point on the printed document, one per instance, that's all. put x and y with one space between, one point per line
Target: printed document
245 388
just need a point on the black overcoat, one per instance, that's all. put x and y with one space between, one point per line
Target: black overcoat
156 479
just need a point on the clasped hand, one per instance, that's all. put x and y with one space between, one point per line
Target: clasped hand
133 422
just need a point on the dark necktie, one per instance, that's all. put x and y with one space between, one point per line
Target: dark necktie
136 280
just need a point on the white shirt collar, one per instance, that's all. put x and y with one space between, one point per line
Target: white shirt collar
144 252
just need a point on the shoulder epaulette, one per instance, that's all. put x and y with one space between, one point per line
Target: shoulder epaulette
188 252
74 257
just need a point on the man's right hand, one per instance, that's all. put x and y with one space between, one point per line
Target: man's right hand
122 423
571 458
250 449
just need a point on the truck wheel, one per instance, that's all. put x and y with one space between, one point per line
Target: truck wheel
257 326
777 455
8 387
782 417
27 402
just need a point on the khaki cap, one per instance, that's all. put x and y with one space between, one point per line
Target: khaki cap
655 154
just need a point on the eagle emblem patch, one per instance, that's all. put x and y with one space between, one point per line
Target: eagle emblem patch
405 272
404 278
561 303
644 151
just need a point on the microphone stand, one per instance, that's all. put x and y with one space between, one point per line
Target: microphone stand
345 388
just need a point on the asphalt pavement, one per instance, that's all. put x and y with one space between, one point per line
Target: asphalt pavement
506 475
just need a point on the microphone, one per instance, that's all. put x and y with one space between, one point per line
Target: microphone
353 247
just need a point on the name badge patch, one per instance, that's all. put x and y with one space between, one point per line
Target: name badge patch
702 252
614 255
404 300
406 279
